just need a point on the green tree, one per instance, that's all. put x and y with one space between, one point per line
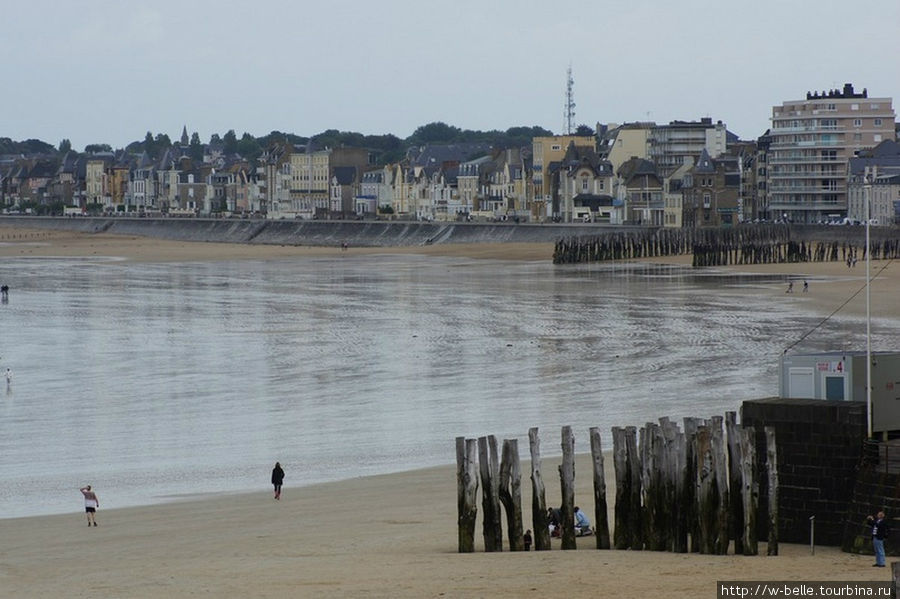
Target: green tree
249 148
65 146
196 148
97 148
436 132
584 131
230 142
149 145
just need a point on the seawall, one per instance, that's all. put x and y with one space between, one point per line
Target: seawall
314 233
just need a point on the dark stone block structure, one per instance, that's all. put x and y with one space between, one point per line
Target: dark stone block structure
877 488
819 448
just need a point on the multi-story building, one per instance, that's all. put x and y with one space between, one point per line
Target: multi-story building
711 190
812 141
585 186
639 194
875 175
547 152
681 142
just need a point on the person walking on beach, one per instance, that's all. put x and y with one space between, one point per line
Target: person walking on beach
790 288
879 534
91 503
277 478
8 378
527 539
805 286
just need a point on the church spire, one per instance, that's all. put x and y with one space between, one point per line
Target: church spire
184 136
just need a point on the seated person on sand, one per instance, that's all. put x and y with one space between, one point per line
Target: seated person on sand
554 518
582 524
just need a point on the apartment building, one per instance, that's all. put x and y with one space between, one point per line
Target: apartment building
681 142
811 143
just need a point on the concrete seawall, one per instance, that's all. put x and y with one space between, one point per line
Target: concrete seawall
314 233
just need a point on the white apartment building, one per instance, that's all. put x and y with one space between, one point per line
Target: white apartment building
812 141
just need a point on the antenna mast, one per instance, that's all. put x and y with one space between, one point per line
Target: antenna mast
570 102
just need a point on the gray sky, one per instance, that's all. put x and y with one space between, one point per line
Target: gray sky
108 71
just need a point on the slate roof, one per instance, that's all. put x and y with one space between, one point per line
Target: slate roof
345 175
437 154
704 164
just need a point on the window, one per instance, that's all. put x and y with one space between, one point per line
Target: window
877 122
584 184
854 107
857 122
877 137
556 147
706 200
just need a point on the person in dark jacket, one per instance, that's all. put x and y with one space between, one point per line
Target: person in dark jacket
277 479
879 534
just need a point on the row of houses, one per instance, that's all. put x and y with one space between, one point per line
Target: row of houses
824 156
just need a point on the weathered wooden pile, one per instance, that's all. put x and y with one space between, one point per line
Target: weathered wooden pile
677 490
747 244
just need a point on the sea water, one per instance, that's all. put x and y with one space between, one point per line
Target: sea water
158 381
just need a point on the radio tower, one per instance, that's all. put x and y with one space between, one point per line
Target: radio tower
570 102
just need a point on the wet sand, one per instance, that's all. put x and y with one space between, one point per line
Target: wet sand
383 536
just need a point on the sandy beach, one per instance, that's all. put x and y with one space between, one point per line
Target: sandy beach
382 536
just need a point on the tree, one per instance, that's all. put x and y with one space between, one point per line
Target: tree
230 142
97 148
249 148
584 131
65 146
215 139
196 148
436 132
149 145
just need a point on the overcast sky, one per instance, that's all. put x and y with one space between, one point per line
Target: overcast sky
109 71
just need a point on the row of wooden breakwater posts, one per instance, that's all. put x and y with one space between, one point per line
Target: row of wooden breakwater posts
754 244
690 490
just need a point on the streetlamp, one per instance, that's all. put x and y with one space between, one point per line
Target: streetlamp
867 193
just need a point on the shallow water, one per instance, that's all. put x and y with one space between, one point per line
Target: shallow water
154 381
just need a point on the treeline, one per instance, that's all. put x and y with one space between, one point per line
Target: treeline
387 148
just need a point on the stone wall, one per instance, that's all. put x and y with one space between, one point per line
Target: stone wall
819 446
877 488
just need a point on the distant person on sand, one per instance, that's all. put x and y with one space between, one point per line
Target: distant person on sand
527 539
277 478
805 286
790 288
879 534
91 503
8 377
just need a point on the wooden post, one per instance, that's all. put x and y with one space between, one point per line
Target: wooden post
601 517
750 488
511 493
567 486
467 490
490 499
621 533
735 501
707 501
538 498
721 469
671 479
635 512
772 472
680 502
690 483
